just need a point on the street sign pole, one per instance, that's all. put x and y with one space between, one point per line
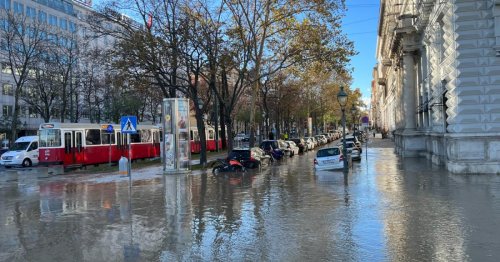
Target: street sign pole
109 137
130 160
129 126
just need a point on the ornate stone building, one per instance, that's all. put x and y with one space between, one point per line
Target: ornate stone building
438 81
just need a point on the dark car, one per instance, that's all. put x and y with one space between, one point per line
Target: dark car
250 157
273 148
301 143
3 150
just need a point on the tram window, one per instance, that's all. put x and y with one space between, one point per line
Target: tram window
211 134
50 138
135 138
145 135
93 137
156 137
79 141
67 142
105 137
119 139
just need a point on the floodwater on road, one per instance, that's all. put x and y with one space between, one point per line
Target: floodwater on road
386 209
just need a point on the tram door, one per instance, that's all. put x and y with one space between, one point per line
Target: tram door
73 147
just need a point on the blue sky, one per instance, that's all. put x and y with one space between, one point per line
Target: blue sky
360 25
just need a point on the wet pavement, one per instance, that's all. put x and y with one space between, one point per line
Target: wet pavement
385 209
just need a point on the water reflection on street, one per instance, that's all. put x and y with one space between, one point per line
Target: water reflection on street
386 209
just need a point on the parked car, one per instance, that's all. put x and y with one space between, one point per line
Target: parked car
313 140
355 141
309 143
250 157
24 153
301 144
273 148
242 137
322 139
330 158
3 150
294 149
352 150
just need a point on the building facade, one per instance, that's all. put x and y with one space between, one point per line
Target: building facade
438 81
62 22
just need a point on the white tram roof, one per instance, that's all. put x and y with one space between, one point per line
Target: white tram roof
89 125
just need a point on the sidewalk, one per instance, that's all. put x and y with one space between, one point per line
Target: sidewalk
214 156
380 143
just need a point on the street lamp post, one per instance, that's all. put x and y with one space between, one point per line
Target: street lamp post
354 112
342 99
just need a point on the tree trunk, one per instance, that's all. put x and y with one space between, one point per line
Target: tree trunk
230 135
223 126
200 124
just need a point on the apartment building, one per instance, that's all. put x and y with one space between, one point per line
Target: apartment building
438 81
62 17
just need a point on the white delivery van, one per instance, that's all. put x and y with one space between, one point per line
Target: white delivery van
24 152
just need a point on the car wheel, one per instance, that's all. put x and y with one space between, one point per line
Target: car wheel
216 170
26 162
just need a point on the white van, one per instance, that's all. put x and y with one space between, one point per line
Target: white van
24 152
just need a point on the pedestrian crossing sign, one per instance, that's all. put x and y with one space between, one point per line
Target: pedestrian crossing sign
128 124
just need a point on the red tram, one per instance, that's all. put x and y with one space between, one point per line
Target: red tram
77 144
210 139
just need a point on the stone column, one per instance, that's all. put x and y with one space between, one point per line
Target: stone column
409 90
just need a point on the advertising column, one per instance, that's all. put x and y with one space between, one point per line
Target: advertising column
176 153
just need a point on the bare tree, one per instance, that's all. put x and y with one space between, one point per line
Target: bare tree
23 39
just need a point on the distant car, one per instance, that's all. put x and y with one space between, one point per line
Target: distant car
329 158
321 139
350 138
250 157
294 149
242 137
352 150
313 141
309 143
301 143
274 148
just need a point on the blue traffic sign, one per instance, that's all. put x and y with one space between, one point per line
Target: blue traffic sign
110 129
128 124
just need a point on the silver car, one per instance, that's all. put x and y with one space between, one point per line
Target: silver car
352 150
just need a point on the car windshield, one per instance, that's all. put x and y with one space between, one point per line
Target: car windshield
20 146
269 145
328 152
239 154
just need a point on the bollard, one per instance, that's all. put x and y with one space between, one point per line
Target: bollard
123 166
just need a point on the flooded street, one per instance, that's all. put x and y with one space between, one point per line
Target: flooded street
386 209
